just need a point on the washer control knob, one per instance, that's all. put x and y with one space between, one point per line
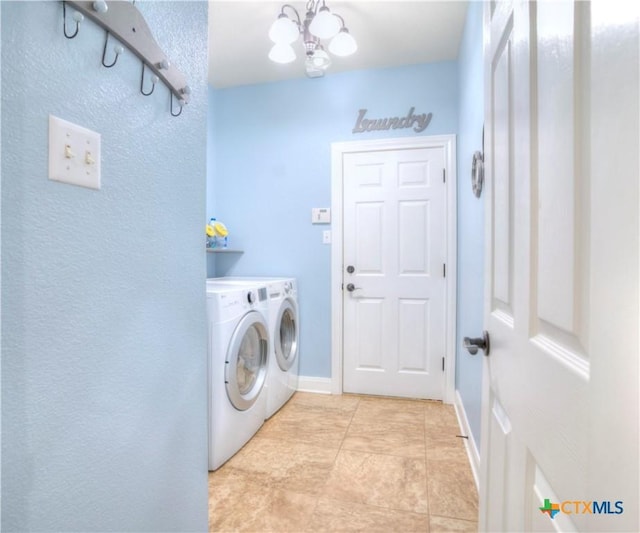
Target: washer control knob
251 297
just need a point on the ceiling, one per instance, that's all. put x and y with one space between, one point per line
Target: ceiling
389 33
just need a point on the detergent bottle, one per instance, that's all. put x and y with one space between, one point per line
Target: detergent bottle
221 234
211 233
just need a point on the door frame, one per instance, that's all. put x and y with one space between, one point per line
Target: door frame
338 150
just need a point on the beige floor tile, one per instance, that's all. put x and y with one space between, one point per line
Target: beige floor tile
452 454
336 516
452 490
390 410
308 424
381 480
389 426
443 443
391 438
441 524
238 504
442 435
348 463
289 465
439 414
342 402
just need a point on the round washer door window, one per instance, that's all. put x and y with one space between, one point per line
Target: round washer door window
246 363
286 341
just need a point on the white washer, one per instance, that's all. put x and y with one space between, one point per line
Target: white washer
282 380
239 351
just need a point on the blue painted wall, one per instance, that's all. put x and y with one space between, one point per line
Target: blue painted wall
273 164
470 217
0 268
103 307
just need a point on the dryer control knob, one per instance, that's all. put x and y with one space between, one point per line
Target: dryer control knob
251 297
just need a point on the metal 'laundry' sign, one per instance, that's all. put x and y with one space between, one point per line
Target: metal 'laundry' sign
417 122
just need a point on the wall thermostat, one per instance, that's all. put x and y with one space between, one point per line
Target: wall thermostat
321 215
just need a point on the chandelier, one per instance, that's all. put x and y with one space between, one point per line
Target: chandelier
319 24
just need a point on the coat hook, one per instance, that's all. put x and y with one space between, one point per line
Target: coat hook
154 80
181 103
100 6
124 25
118 49
77 16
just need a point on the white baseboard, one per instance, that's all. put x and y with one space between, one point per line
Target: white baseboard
311 384
470 444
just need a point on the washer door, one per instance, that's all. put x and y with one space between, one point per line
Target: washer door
246 364
286 335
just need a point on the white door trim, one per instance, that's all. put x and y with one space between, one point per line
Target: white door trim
448 142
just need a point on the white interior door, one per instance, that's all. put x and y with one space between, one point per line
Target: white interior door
394 245
560 404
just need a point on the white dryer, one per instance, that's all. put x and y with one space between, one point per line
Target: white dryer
239 351
282 380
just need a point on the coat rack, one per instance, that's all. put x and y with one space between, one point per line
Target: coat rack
123 21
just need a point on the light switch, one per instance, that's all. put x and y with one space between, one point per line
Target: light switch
74 154
321 215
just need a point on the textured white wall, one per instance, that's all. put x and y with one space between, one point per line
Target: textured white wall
104 333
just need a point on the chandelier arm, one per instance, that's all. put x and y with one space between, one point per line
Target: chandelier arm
341 19
299 22
314 6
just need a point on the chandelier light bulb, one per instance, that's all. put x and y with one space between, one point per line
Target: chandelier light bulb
320 59
283 30
343 44
325 24
282 53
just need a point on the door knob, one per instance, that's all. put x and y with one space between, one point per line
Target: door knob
351 287
472 344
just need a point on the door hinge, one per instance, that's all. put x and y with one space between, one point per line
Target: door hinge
443 364
444 270
444 175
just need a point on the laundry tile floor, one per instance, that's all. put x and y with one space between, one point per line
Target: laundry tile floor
348 463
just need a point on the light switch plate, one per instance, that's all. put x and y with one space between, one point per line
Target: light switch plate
74 154
320 215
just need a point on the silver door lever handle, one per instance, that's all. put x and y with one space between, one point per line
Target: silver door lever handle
351 287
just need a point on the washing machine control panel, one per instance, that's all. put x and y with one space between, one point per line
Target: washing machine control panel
259 295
